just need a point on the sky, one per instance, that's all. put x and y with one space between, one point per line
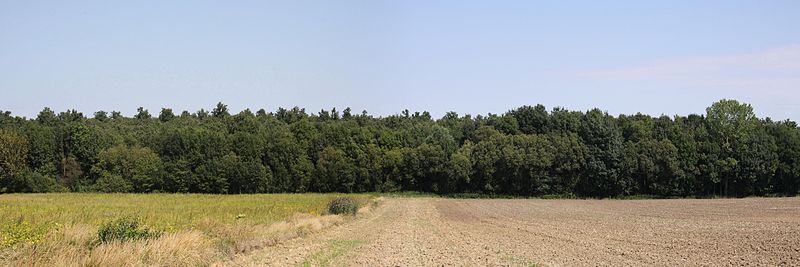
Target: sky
476 57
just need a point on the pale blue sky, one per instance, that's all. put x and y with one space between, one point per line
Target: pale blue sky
671 57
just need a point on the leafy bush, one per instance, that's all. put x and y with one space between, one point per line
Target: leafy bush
112 183
32 182
124 229
343 205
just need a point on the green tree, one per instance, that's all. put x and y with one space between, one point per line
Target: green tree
142 114
112 183
730 123
655 166
288 161
116 115
526 151
532 120
246 176
569 161
42 145
180 177
46 116
757 164
13 154
141 167
101 116
220 111
334 172
787 141
460 169
602 175
565 121
166 115
71 173
33 182
684 136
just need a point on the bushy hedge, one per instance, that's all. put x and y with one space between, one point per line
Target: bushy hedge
343 205
125 229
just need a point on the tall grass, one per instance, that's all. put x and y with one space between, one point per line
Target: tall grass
62 228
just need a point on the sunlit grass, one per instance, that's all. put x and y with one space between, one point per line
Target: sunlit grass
45 229
167 212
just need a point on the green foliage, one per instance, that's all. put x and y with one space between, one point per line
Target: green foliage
334 249
34 182
71 172
343 205
531 120
22 232
42 146
787 140
112 183
142 114
137 166
124 229
528 151
26 214
334 172
13 153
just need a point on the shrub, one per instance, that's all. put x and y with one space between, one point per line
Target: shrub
124 229
343 205
32 182
112 183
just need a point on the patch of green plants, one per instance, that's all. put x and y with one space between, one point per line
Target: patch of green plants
335 249
409 194
522 262
482 196
125 229
343 205
559 196
22 232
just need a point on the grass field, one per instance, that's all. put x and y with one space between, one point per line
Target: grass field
34 228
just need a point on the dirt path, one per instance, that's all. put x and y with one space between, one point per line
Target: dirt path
435 232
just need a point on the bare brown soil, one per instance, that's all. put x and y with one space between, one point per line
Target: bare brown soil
434 232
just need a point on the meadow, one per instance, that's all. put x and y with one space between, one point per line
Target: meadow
193 229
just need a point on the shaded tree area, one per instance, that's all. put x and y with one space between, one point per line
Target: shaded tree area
528 151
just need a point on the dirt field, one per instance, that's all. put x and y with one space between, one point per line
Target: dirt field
431 232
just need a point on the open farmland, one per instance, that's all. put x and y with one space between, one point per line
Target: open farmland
433 232
196 229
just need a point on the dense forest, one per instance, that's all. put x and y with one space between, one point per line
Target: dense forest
528 151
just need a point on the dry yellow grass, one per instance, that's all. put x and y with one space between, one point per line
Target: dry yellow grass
69 248
61 229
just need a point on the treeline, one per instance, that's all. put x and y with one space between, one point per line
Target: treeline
528 151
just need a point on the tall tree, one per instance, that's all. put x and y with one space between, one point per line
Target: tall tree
787 141
142 114
531 119
166 115
220 111
138 166
13 153
730 123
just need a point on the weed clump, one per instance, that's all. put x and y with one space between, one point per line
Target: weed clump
343 205
125 229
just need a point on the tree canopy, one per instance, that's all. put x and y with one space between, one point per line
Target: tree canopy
527 151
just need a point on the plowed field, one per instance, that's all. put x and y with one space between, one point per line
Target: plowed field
433 232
